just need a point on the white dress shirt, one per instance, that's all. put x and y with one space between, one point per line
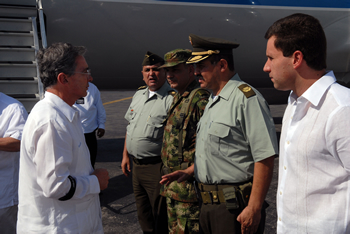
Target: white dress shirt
313 193
52 148
92 112
12 119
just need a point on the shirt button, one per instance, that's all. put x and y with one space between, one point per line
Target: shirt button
280 192
285 168
279 218
288 142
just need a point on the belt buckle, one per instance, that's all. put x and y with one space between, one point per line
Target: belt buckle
215 197
136 160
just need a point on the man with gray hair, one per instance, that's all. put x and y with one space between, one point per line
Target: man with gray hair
58 188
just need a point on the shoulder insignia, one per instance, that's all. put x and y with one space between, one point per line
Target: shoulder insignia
247 90
172 93
142 87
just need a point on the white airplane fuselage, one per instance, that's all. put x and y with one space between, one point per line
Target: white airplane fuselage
118 33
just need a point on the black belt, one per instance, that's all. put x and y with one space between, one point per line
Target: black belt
148 160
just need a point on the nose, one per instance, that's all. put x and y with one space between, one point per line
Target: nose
151 72
169 74
267 67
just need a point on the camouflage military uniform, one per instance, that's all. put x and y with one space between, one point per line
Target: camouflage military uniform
183 210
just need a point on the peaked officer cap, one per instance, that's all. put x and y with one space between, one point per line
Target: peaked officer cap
203 47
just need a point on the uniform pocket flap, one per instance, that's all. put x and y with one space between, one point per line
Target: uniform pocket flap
130 115
155 121
219 130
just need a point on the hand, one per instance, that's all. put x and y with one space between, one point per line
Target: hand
100 132
249 220
126 165
102 176
179 176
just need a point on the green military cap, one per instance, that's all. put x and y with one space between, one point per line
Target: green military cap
175 57
152 59
203 47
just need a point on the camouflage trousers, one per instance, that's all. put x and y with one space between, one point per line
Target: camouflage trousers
183 217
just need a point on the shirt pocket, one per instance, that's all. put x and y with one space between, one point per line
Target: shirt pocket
218 139
154 128
130 115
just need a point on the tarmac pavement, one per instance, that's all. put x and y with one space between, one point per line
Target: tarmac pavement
117 201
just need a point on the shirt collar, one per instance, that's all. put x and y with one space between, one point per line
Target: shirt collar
227 89
66 109
316 91
162 92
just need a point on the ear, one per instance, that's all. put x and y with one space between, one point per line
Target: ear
298 59
223 65
62 78
191 68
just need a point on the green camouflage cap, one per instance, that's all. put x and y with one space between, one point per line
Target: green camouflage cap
175 57
203 47
152 59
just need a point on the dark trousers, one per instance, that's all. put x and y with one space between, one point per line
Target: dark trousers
216 219
8 219
91 142
146 190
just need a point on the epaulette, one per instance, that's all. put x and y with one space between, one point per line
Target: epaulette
172 93
247 90
142 87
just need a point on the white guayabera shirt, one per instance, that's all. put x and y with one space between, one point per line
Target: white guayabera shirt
313 193
53 147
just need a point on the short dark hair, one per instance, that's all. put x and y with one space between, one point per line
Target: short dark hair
304 33
228 57
57 58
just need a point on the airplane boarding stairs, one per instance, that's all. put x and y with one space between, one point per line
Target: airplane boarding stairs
19 42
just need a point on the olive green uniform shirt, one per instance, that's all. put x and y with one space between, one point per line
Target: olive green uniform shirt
235 131
146 116
183 191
